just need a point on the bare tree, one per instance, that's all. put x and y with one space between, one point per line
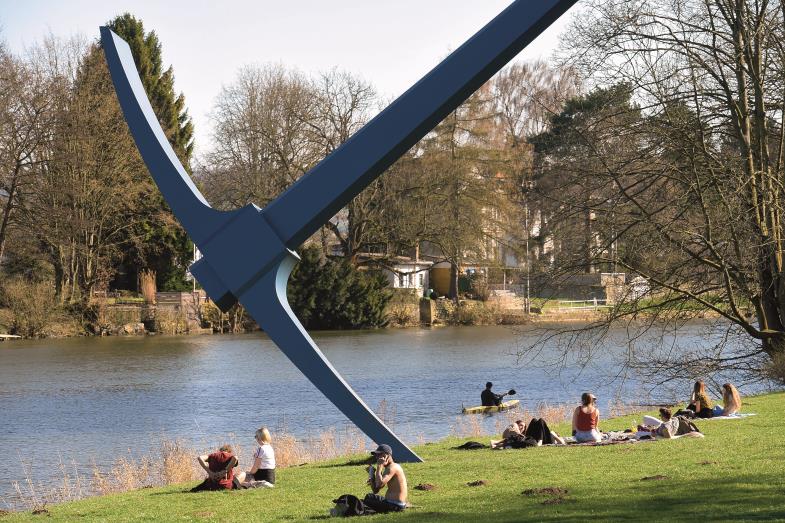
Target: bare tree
261 134
686 179
85 196
343 104
25 127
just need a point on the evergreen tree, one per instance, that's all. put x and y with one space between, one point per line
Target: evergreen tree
159 248
333 294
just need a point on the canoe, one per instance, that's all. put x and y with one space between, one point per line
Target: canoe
507 405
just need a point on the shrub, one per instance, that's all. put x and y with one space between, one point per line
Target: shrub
32 306
775 369
403 308
333 294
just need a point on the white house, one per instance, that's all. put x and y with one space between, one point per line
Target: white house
402 272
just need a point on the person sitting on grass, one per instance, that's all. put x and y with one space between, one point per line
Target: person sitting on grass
585 420
389 474
220 470
519 427
700 403
731 401
262 473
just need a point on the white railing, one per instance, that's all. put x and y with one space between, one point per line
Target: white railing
582 305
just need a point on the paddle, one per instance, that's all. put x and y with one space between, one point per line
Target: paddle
510 392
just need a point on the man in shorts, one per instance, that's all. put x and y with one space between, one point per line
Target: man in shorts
390 474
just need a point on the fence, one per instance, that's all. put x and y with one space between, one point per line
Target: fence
582 305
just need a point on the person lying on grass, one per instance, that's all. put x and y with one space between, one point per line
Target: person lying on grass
669 427
390 474
220 469
519 435
262 471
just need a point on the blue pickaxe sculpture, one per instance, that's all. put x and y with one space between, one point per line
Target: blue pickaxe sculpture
247 253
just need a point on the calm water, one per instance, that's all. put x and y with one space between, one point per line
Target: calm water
99 398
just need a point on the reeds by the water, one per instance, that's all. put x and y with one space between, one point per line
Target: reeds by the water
173 461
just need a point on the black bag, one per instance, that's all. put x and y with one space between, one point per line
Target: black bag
471 445
519 441
349 505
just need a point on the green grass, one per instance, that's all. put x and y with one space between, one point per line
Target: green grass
736 473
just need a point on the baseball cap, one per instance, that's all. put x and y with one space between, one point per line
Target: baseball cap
382 449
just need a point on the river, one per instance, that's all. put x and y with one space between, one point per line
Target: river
98 399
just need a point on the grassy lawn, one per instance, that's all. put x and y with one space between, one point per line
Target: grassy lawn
737 472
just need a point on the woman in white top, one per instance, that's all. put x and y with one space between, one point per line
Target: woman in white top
263 469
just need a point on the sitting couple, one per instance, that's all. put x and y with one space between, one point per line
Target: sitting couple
519 435
220 467
701 406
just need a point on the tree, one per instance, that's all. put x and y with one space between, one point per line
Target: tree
695 194
568 174
343 104
157 245
272 125
25 122
261 137
332 294
85 192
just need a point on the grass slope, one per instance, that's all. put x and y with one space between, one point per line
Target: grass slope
735 473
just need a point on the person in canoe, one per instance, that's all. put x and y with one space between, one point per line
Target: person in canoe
490 398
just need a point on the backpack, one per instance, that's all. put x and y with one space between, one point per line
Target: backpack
685 426
349 505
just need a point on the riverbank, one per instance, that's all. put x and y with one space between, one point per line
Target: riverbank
734 473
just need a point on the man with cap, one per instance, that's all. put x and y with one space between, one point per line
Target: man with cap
390 474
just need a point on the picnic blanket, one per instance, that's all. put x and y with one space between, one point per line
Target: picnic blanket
738 415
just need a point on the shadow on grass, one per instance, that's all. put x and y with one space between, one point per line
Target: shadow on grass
743 497
351 463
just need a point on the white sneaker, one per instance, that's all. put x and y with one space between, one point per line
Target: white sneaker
266 484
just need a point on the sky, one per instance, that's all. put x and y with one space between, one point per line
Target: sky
390 44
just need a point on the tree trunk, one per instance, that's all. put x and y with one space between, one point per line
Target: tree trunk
453 282
9 205
147 286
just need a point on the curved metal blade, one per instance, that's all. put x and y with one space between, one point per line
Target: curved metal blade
187 203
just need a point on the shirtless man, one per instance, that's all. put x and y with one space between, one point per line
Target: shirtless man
388 473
